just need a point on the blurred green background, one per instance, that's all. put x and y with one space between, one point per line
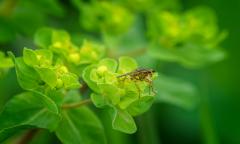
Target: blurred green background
216 118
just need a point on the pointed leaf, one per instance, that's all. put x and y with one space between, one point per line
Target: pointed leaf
80 126
28 109
111 64
98 100
43 37
110 92
123 121
28 78
30 57
86 78
141 105
126 64
48 75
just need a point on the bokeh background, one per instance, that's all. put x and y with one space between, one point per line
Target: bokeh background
215 119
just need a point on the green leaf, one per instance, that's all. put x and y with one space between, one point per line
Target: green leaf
60 36
98 100
86 78
57 95
30 57
28 78
43 37
45 57
126 64
28 109
176 92
11 132
37 58
141 105
91 52
48 75
60 40
80 126
190 55
163 53
70 81
127 99
102 75
123 121
110 92
111 64
198 56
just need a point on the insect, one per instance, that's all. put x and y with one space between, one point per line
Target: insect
140 74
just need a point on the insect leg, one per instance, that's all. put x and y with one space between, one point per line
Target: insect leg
149 89
150 84
154 92
139 90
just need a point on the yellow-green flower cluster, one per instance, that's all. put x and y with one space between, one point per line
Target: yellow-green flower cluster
172 29
125 96
59 41
52 72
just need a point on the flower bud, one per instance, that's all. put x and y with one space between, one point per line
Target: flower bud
101 70
59 83
74 57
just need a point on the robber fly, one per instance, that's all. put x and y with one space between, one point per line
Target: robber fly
140 74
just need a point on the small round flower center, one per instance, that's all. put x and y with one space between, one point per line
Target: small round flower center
102 69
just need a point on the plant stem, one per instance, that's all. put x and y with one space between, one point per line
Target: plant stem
77 104
84 88
208 130
28 136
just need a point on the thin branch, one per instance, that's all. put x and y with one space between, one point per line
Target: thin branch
84 87
77 104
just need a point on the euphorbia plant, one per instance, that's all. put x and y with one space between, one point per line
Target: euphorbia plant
51 77
61 75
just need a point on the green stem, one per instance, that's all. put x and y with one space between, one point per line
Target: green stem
208 130
25 139
77 104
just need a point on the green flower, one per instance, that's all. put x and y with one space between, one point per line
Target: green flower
124 96
191 38
54 73
59 42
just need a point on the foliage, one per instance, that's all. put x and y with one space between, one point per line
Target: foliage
116 39
194 31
